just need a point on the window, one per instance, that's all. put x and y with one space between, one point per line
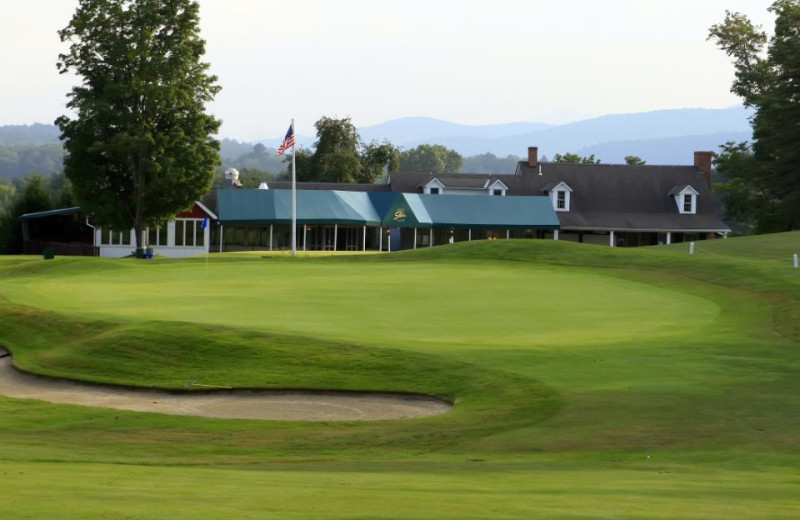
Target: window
156 236
434 191
687 203
497 193
180 232
561 200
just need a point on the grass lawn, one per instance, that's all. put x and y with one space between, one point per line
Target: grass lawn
589 382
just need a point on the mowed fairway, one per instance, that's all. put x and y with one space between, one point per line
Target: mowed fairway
588 383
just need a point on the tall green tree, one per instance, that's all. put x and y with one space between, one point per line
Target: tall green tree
336 157
140 147
430 158
573 158
340 156
767 72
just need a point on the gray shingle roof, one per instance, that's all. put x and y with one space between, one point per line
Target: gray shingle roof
604 196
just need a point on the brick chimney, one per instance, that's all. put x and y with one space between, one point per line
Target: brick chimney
533 156
702 161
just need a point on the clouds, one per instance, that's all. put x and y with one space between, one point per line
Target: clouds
470 61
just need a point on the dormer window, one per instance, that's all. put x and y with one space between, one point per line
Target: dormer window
685 199
434 187
497 188
561 200
560 194
688 203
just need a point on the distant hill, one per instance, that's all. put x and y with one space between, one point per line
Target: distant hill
426 129
606 129
28 135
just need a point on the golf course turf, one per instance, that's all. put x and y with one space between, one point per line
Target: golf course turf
587 382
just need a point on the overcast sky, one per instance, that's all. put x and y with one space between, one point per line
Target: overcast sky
467 61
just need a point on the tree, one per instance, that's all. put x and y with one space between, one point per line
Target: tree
766 72
573 158
336 157
634 160
7 192
140 147
431 159
490 163
377 157
340 156
743 188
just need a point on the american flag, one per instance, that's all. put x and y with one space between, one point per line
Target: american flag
288 141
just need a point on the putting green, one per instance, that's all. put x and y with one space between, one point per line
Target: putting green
394 304
588 382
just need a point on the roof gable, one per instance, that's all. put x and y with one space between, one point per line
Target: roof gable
683 190
496 185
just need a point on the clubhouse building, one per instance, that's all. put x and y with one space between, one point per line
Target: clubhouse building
613 205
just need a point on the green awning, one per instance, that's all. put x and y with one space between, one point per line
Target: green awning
265 207
476 211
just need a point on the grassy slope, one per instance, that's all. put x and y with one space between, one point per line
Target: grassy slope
712 402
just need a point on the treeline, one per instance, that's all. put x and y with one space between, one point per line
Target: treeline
29 148
17 161
338 155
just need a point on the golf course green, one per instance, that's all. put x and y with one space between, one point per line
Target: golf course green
587 382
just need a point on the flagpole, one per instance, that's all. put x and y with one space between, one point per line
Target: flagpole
294 196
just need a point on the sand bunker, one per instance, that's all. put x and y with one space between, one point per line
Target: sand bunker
225 404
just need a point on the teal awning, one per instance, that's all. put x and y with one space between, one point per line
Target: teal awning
477 212
264 207
329 207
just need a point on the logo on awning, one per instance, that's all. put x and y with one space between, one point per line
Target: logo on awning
400 214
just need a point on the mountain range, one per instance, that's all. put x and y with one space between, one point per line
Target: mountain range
658 137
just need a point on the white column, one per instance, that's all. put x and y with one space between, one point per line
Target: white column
430 244
220 237
380 239
469 239
508 234
669 237
305 228
206 238
270 237
171 233
611 239
555 234
335 235
415 238
389 240
364 239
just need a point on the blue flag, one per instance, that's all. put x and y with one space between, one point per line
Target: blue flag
204 224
